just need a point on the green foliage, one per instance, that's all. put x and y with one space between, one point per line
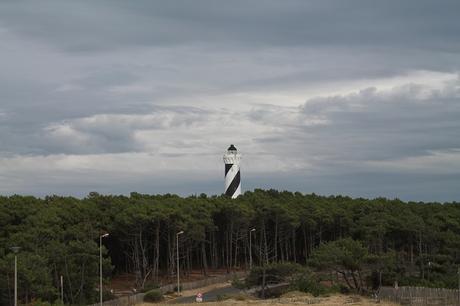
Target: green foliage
309 283
238 283
41 303
343 254
275 273
107 295
154 296
364 242
222 297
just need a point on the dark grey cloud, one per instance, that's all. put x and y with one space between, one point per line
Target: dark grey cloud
403 122
101 25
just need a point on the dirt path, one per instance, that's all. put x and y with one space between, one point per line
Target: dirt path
296 299
209 294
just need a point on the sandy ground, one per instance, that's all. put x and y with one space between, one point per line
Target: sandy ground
193 292
291 298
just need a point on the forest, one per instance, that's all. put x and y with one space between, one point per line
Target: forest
363 243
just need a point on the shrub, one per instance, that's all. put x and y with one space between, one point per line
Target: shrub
39 302
107 295
175 288
222 297
274 273
154 295
309 283
238 283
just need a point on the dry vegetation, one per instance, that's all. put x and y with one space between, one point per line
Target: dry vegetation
296 298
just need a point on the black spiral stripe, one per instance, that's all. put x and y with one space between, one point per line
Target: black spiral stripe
233 185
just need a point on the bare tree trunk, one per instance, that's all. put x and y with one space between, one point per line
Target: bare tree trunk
320 233
69 281
305 246
235 258
276 239
355 281
293 245
156 264
312 241
420 252
344 274
265 244
171 252
214 251
227 236
282 250
205 262
286 248
411 253
264 273
230 253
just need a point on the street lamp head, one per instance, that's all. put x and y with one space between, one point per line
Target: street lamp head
180 233
15 249
253 230
104 235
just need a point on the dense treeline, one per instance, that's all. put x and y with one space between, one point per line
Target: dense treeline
385 240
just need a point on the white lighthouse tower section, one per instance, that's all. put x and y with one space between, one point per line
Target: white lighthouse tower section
232 161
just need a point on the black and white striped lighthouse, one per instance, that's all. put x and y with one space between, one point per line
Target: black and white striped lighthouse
232 172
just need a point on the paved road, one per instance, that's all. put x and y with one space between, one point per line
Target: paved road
210 296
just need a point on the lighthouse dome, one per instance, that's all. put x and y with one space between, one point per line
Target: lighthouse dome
231 148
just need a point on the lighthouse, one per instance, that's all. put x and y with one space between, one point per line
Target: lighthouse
232 172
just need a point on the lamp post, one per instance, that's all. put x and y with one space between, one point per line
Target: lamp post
15 250
62 290
178 279
458 272
250 247
100 266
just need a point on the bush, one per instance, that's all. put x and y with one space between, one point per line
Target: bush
107 295
274 273
238 283
341 288
222 297
154 295
309 283
175 288
39 302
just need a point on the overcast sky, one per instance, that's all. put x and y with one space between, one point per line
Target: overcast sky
360 98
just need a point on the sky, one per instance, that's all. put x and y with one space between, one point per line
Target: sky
359 98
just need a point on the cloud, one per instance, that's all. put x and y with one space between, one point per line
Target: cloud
405 130
107 133
78 26
314 94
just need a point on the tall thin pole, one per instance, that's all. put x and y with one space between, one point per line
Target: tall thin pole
177 245
100 266
100 269
15 280
250 247
178 279
250 250
15 249
62 290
